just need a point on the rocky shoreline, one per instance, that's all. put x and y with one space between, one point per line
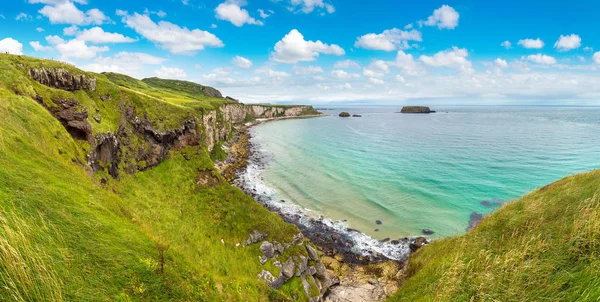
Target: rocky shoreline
363 270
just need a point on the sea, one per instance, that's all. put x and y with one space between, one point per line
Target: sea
392 175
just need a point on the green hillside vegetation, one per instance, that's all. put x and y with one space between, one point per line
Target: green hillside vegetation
167 233
543 247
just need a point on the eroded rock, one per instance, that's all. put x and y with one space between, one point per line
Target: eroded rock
61 78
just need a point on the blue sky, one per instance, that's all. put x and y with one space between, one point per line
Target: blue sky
328 51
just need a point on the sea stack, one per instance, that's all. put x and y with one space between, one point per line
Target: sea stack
344 114
416 109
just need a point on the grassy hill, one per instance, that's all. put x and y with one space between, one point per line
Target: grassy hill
166 233
543 247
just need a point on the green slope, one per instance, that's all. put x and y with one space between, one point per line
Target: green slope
543 247
167 233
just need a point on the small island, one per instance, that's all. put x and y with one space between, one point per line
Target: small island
344 114
416 109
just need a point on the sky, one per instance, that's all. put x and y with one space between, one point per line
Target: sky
347 52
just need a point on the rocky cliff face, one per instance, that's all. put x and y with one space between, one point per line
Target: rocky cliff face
61 78
218 124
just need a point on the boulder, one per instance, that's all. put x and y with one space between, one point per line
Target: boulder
267 249
288 268
255 237
312 253
344 114
427 232
417 243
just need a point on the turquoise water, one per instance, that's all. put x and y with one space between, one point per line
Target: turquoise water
415 172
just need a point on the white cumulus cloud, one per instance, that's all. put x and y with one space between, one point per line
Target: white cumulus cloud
11 46
293 48
170 73
388 40
241 62
98 35
308 6
78 49
130 63
37 46
65 12
342 75
596 57
542 59
304 70
501 63
506 44
232 11
444 17
566 43
346 64
453 58
177 40
531 43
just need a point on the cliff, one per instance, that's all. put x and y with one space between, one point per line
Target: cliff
109 193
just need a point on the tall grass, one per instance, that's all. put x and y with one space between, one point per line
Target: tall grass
543 247
26 271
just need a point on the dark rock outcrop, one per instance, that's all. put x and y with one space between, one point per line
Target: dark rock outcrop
474 220
427 232
61 78
356 115
73 116
417 243
416 109
209 91
106 153
344 114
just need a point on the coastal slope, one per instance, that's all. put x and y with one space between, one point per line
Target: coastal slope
545 246
108 191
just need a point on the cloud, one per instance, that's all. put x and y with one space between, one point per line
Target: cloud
264 14
501 63
531 43
588 49
346 64
388 40
130 63
71 30
400 79
39 47
444 17
407 64
293 49
99 36
231 11
177 40
23 17
241 62
11 46
566 43
542 59
170 73
301 70
453 58
377 69
376 81
596 57
308 6
506 44
78 49
65 12
54 40
273 74
39 29
342 75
